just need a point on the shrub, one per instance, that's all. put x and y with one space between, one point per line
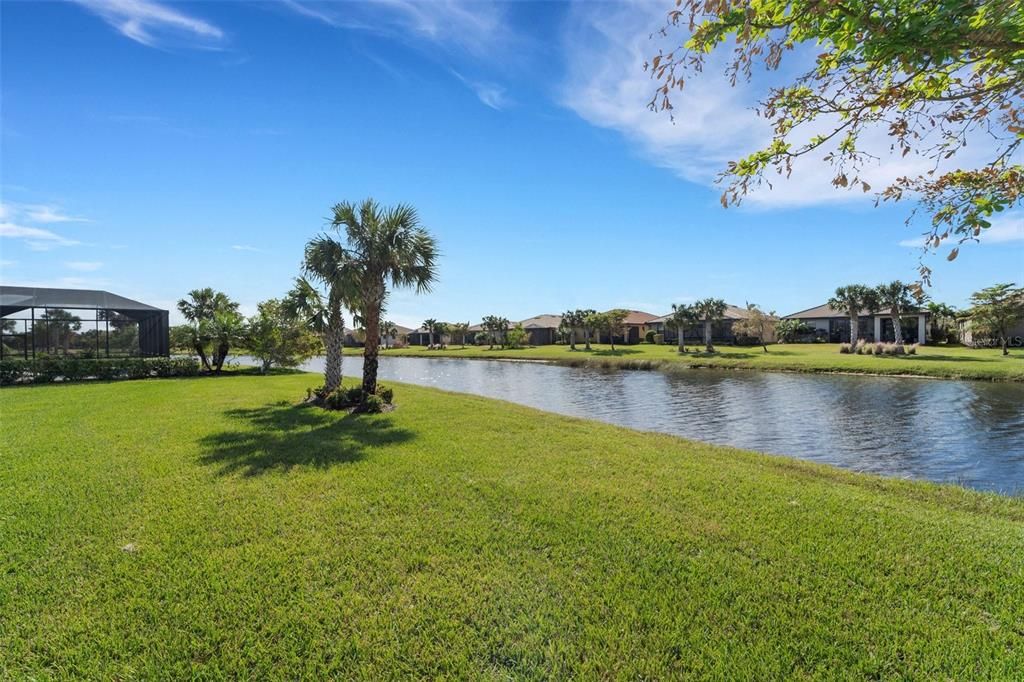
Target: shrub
386 393
517 337
866 348
912 349
898 349
844 348
650 336
659 339
372 404
879 348
48 368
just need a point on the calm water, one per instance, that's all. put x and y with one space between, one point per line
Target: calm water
964 432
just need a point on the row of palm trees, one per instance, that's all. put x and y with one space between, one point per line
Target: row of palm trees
375 249
612 323
897 297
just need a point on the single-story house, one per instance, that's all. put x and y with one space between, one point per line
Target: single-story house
969 337
834 325
721 331
635 326
542 330
356 338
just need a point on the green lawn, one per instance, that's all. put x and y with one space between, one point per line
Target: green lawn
210 528
953 362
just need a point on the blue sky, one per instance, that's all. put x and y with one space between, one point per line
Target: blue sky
149 148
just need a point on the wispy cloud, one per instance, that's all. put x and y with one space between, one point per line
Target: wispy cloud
605 47
154 23
245 247
35 238
491 94
475 27
84 266
51 214
1005 228
7 263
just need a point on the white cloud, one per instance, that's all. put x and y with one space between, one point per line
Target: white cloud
153 23
476 27
84 266
244 247
35 238
7 263
1007 227
605 48
40 213
491 94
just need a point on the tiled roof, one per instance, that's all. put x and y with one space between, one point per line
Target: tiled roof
824 311
542 322
732 312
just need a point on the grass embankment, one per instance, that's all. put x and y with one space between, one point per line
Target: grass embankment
209 528
949 362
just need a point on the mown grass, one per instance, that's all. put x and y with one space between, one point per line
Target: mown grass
950 362
210 528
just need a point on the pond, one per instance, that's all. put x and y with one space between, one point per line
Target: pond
965 432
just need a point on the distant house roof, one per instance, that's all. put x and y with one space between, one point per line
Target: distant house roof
732 312
542 322
825 312
638 317
15 299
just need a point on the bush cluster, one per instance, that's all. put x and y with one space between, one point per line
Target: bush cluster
48 368
865 348
353 398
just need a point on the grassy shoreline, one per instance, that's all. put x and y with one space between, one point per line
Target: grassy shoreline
933 362
210 527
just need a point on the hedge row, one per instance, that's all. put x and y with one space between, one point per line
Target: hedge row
48 368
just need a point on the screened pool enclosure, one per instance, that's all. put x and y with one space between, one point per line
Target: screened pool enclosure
37 321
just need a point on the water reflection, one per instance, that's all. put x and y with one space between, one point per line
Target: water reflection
965 432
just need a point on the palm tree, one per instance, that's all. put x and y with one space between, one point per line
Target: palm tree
213 316
942 316
460 329
683 317
612 322
897 297
572 320
387 246
388 330
442 328
327 263
587 323
430 325
711 310
852 299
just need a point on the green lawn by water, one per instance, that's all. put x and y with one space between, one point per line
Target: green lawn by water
953 362
210 528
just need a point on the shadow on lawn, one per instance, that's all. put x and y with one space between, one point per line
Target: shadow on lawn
280 436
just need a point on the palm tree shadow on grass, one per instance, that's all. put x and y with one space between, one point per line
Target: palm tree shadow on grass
281 436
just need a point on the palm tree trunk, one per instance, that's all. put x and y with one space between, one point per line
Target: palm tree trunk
586 336
707 337
682 338
201 352
572 339
219 356
897 330
332 363
855 330
370 349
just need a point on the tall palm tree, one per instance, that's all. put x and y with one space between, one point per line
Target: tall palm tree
852 299
326 263
683 317
898 298
431 326
443 329
388 247
460 330
572 320
711 311
587 315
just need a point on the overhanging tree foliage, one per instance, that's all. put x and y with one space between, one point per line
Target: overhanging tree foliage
931 74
